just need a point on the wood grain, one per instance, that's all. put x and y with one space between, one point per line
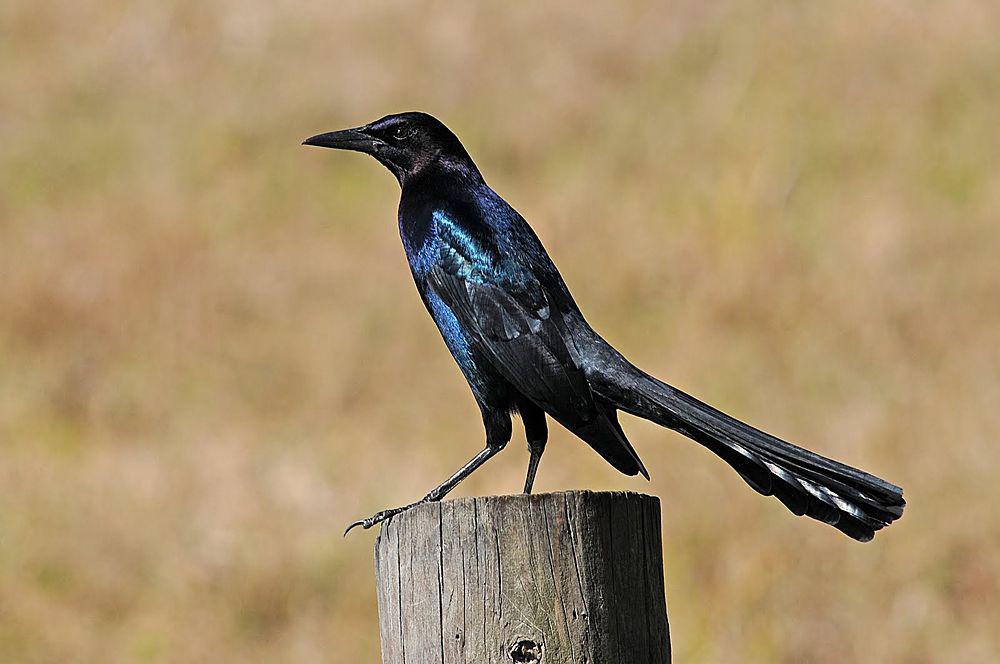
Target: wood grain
558 578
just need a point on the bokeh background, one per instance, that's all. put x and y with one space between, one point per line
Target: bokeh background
212 357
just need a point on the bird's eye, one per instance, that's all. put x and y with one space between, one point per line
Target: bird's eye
402 132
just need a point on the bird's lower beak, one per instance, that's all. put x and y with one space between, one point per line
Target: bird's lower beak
346 139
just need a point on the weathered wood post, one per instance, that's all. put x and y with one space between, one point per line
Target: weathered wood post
559 578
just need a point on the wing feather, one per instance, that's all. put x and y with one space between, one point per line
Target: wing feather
514 323
523 344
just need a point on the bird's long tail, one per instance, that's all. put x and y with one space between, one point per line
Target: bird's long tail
851 500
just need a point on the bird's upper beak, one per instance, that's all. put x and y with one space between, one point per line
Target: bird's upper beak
345 139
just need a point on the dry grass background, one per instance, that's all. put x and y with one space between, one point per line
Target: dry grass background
213 357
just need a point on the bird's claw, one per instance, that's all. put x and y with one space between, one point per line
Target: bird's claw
376 518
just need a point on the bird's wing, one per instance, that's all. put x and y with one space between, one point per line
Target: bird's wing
512 323
511 319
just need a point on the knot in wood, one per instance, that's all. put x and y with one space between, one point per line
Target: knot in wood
526 651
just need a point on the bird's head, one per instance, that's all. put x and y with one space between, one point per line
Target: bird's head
408 144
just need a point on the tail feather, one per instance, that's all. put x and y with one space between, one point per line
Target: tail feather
851 500
604 434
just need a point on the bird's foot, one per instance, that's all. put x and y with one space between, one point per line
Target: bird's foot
378 518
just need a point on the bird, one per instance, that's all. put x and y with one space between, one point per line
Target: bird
525 348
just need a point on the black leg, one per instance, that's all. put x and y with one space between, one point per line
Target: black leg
497 437
537 434
529 479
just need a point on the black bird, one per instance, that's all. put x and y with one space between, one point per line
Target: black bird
524 346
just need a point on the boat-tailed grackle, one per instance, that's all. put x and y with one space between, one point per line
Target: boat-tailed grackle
524 346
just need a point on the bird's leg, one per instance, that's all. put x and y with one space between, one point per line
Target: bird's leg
529 479
537 434
436 494
497 436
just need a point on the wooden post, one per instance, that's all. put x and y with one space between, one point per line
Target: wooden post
559 578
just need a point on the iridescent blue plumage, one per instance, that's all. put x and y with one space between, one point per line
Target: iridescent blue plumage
445 243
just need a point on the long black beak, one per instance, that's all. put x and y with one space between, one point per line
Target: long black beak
346 139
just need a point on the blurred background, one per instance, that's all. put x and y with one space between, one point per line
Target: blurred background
213 357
